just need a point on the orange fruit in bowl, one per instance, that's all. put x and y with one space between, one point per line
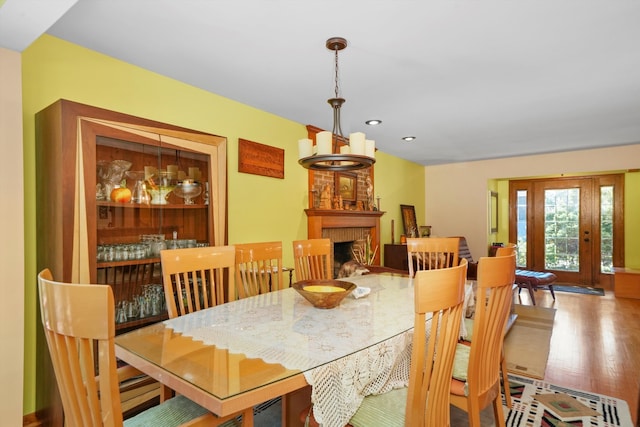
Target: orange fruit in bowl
121 195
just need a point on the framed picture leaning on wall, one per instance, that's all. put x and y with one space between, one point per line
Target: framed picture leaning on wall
409 220
493 212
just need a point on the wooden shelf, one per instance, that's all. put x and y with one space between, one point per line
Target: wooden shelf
149 206
141 322
342 213
128 262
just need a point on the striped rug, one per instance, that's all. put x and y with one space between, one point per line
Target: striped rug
526 411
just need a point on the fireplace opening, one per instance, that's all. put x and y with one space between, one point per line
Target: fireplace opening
342 252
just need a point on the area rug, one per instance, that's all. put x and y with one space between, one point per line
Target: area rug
526 346
528 411
574 289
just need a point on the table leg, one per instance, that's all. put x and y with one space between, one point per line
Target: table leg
292 406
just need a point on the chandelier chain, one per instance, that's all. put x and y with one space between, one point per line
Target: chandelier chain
336 73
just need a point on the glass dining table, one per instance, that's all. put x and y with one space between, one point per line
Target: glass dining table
239 354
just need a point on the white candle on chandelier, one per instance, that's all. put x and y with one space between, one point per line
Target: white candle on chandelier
323 142
356 141
369 148
305 148
345 149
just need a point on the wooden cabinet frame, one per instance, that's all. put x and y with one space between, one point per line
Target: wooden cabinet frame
66 135
67 209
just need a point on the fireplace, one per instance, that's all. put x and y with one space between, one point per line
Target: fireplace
342 252
342 226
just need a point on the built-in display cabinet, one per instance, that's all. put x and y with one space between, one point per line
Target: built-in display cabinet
112 191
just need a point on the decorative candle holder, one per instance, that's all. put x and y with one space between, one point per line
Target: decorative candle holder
188 189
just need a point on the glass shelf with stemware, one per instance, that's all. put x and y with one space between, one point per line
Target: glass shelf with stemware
150 206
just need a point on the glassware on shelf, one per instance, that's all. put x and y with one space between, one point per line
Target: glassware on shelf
110 174
121 312
205 196
139 193
159 186
188 189
152 301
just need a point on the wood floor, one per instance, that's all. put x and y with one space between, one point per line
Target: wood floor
595 344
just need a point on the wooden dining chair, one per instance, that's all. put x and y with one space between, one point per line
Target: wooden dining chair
508 249
476 377
259 268
427 253
77 317
439 296
194 278
312 259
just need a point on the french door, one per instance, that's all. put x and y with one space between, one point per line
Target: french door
570 226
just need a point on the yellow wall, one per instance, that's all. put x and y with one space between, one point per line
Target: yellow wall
462 188
632 218
260 208
398 182
12 246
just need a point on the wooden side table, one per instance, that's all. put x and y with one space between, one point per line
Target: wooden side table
626 282
395 256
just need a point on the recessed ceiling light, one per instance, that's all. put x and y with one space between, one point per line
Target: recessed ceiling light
373 122
408 138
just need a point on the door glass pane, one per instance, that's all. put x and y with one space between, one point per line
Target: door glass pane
561 225
606 229
521 228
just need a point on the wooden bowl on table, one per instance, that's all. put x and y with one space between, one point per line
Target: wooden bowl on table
324 293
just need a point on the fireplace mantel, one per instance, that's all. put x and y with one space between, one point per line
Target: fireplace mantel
319 219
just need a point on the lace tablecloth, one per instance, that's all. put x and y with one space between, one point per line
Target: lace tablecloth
361 347
338 388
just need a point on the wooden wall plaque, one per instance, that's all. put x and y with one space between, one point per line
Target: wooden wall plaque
260 159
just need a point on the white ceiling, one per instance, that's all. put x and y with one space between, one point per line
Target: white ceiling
471 79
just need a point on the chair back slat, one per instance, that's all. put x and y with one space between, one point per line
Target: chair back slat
259 268
312 259
429 253
197 278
